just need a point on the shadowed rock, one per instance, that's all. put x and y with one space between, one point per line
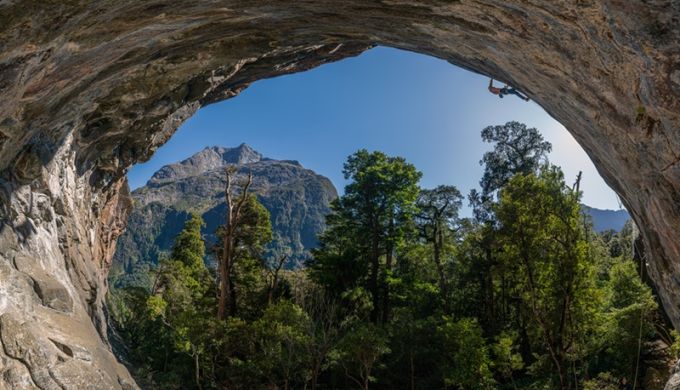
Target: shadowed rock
53 294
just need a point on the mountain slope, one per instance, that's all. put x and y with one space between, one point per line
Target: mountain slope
297 198
606 219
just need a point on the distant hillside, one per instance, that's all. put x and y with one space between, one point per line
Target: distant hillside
606 219
297 198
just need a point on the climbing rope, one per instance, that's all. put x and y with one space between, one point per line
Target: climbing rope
642 313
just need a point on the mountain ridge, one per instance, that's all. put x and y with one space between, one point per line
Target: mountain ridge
211 157
296 197
606 219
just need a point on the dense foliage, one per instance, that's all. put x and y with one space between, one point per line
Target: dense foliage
403 293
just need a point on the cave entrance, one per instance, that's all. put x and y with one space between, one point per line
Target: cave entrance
399 102
92 89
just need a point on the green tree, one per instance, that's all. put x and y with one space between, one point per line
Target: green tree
323 329
375 215
467 364
621 243
246 231
416 350
402 293
284 345
181 301
437 221
359 351
517 150
630 310
189 247
248 284
338 263
544 246
507 359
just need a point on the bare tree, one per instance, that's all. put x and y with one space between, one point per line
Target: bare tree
235 203
273 278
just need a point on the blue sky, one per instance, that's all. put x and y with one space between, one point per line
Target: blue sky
401 103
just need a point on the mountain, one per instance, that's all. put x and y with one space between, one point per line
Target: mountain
606 219
297 199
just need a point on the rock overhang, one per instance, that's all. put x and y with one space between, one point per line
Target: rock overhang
90 88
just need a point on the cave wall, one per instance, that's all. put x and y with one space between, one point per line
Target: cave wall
88 88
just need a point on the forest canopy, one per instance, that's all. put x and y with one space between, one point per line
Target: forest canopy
403 292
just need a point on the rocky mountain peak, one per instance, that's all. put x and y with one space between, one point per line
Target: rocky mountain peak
208 159
297 199
242 154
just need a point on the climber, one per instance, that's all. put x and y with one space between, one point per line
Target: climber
507 90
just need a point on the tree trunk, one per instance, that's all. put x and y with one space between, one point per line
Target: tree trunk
386 285
232 297
227 290
225 277
443 285
375 267
413 376
221 312
550 342
275 280
315 375
491 310
197 375
225 260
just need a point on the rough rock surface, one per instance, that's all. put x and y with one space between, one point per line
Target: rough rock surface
90 87
674 381
297 199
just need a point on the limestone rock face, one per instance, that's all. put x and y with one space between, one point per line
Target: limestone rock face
90 87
